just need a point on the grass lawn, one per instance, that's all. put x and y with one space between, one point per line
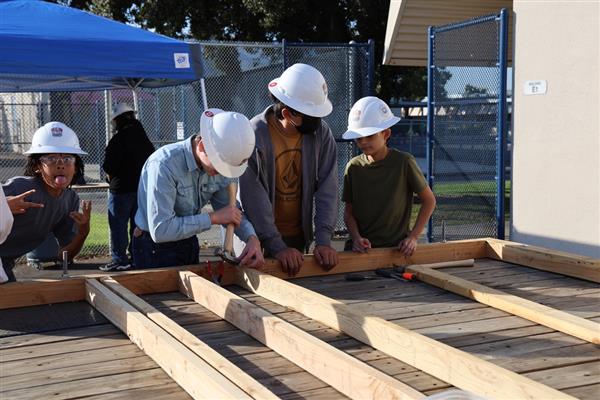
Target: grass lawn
97 241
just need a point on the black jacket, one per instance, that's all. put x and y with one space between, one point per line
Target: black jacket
125 156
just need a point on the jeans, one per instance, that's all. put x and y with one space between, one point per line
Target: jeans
121 211
147 254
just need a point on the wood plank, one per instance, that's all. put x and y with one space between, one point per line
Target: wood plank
384 257
65 347
313 394
59 361
539 313
570 376
545 259
46 291
169 391
92 386
435 358
585 392
59 335
70 373
192 373
43 291
343 372
217 361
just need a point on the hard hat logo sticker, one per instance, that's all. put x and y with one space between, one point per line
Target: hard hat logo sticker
356 115
209 113
56 131
272 84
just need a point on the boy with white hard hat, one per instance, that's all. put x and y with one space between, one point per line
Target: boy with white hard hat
379 184
294 165
179 179
42 201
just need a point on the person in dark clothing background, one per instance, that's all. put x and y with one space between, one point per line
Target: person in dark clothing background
125 155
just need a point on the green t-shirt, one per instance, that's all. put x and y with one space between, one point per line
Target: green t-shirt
381 194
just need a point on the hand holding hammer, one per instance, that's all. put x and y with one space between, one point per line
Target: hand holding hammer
232 216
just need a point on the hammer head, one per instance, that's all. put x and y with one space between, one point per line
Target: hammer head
227 256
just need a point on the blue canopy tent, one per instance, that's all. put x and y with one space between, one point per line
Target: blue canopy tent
49 47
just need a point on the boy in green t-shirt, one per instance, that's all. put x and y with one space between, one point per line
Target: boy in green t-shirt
379 184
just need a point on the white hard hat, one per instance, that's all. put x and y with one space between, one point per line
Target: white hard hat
121 108
369 116
55 137
228 140
304 89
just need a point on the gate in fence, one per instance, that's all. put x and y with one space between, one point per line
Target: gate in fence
467 127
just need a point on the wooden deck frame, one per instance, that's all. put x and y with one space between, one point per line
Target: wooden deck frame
22 294
559 262
431 356
244 381
532 311
194 375
47 291
341 371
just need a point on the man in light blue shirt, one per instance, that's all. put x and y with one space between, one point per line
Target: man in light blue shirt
179 179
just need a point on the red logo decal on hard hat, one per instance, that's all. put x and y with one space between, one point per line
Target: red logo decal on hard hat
356 115
209 113
56 131
272 84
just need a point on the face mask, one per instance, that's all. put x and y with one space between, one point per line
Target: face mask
309 125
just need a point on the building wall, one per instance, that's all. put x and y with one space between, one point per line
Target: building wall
556 155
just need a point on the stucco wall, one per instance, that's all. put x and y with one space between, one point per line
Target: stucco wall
556 155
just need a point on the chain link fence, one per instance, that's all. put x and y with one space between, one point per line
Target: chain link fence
467 119
236 78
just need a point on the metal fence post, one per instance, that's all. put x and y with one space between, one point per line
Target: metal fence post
284 55
430 112
371 68
502 131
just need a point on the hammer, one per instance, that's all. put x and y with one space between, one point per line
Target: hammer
226 253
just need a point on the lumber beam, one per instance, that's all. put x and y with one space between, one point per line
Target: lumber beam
559 262
384 257
194 375
451 365
532 311
30 293
207 353
343 372
33 293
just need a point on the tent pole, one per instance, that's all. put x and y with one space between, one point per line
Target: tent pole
135 101
203 90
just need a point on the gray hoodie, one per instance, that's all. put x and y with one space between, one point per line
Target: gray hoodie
319 181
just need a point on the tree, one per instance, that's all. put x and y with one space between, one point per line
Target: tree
474 91
260 20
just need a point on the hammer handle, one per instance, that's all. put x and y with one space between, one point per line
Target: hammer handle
228 245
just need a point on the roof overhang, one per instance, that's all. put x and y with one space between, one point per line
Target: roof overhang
408 20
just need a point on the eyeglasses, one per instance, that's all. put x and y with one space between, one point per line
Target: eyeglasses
53 160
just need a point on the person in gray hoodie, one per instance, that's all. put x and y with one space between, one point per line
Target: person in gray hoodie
294 165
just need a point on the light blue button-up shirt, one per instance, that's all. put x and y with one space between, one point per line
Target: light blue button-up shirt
172 191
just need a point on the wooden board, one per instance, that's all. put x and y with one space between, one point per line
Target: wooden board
218 362
444 362
193 374
342 372
544 315
545 259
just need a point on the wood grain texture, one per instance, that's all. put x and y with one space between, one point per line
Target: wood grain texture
435 358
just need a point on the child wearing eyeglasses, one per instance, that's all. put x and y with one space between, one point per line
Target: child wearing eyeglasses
42 201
